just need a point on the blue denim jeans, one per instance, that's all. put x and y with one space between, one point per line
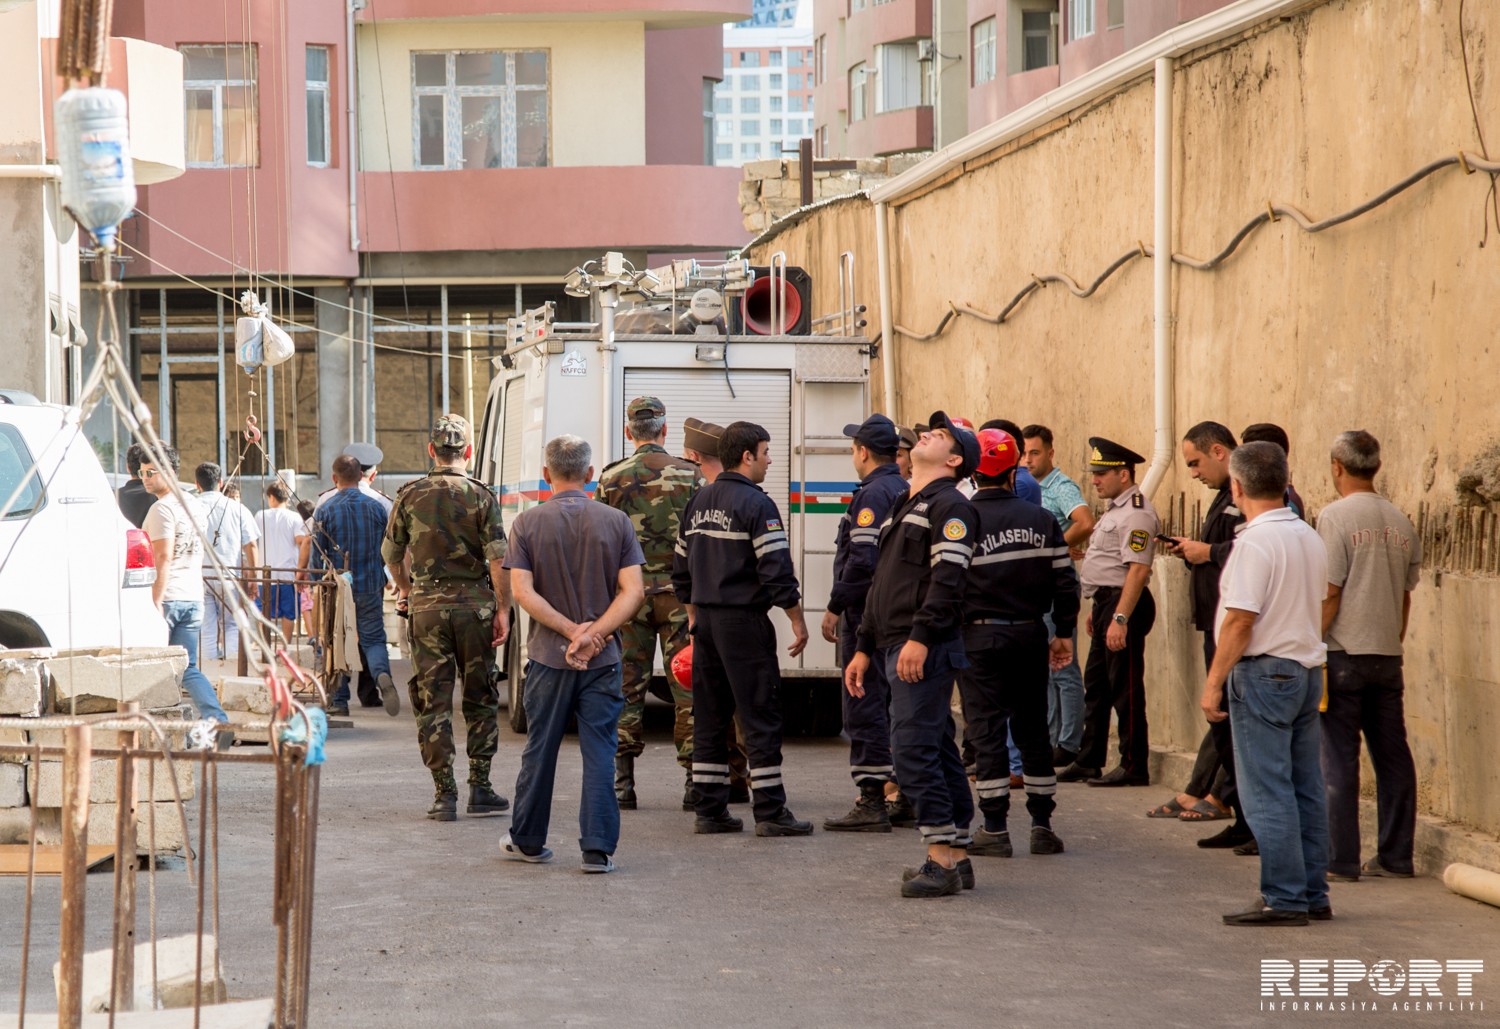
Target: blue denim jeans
1065 698
184 619
596 697
1273 708
369 615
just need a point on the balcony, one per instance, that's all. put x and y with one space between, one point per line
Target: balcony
657 14
653 207
150 76
892 132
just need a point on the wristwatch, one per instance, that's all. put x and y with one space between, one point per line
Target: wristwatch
1121 619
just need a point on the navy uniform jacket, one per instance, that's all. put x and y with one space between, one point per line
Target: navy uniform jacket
918 589
1219 526
859 539
732 549
1021 569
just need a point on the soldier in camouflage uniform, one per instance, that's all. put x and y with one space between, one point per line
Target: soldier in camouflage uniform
459 601
652 487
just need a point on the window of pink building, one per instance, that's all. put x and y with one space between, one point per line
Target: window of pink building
480 109
223 126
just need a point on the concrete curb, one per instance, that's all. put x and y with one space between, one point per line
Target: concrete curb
1439 843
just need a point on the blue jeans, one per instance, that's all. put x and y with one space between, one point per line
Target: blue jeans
1065 698
1273 709
369 615
184 619
552 694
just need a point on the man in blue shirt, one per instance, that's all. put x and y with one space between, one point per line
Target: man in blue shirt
1062 497
348 529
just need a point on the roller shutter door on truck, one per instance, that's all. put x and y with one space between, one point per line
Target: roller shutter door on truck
763 397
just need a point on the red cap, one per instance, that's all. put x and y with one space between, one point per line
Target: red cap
998 452
963 422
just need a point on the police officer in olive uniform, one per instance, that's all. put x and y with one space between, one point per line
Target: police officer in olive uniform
732 565
459 602
653 488
867 718
1115 573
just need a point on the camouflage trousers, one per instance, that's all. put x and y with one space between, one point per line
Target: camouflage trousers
662 618
442 643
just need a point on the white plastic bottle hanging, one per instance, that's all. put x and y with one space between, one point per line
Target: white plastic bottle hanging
93 143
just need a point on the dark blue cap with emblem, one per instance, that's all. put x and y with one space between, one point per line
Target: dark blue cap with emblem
968 443
876 432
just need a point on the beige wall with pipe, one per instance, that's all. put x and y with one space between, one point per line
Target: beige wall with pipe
1385 323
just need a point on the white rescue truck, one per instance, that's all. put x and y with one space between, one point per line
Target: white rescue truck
577 378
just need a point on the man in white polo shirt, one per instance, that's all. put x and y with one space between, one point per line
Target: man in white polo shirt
1270 654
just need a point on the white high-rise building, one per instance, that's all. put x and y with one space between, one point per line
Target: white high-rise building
764 105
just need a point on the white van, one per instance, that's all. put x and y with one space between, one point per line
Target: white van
74 573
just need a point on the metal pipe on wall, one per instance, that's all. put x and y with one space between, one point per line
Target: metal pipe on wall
352 160
887 323
1164 443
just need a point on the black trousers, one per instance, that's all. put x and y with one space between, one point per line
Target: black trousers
1116 679
867 719
1365 694
1006 683
735 669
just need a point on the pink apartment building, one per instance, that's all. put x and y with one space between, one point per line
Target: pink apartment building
895 76
402 208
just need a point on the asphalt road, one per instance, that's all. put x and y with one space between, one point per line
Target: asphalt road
422 924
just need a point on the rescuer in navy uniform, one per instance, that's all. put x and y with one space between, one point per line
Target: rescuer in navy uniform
912 623
867 719
1020 571
732 565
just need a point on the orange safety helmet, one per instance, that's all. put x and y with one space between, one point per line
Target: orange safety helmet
998 452
682 667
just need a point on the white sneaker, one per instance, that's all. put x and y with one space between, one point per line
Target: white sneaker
511 852
594 866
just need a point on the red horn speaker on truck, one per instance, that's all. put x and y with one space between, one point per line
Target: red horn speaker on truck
755 308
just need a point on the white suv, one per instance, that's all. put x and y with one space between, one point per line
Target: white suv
74 573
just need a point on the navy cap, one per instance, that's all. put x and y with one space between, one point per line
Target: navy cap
367 454
967 441
876 432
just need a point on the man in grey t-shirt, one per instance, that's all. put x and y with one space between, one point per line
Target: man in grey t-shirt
1374 557
575 568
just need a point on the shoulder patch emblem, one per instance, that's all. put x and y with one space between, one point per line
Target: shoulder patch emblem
773 524
1137 501
955 529
865 517
1138 539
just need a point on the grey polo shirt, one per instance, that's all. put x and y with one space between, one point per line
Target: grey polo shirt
574 550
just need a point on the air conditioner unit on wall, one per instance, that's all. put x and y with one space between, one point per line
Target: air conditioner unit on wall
925 49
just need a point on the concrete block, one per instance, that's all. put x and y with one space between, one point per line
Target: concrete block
177 964
238 1014
246 693
169 836
104 781
13 738
15 826
12 786
879 166
765 169
90 681
749 191
22 676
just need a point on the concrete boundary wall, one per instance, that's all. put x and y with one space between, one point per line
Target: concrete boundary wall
1385 323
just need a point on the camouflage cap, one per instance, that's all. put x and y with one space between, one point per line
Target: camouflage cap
451 431
701 436
642 407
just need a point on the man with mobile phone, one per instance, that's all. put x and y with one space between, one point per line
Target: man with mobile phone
1206 449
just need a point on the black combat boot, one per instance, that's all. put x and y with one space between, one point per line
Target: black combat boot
689 794
964 867
722 822
868 814
444 808
900 812
485 801
625 781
